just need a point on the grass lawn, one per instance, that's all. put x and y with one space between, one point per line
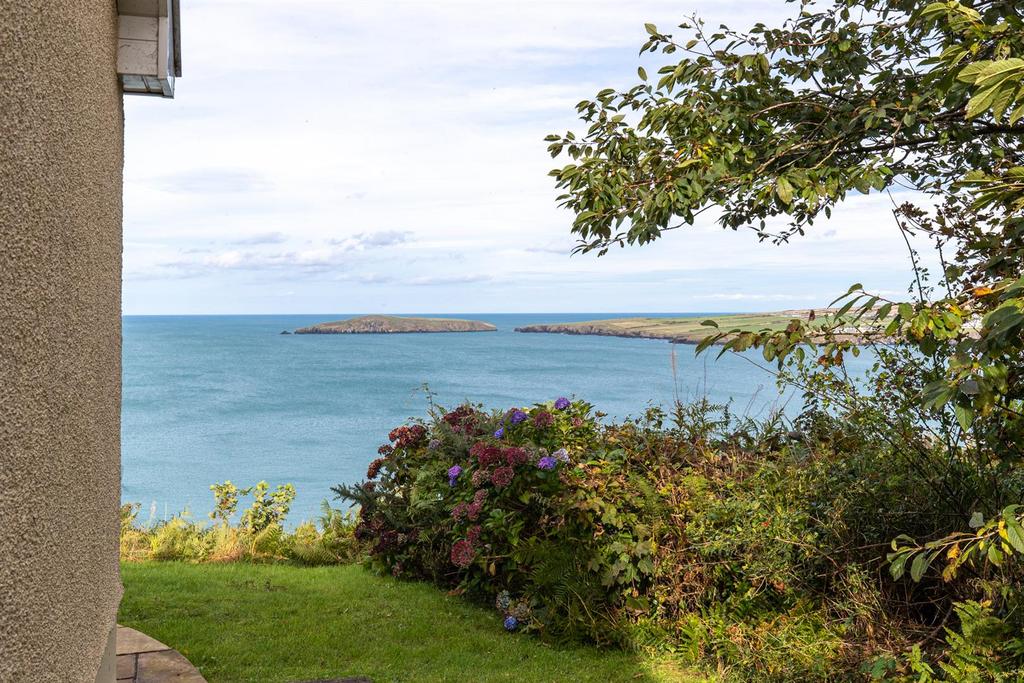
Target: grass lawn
245 622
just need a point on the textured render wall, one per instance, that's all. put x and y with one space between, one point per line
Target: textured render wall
61 126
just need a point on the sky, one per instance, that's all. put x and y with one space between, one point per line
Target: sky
351 156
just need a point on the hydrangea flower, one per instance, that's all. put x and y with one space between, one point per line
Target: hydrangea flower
502 476
499 433
453 473
547 463
459 511
517 416
480 476
511 624
543 419
374 469
561 454
515 456
485 453
463 553
503 600
561 403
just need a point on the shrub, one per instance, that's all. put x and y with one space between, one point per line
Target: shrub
753 548
260 535
178 539
514 505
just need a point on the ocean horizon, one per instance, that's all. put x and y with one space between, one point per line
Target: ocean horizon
208 398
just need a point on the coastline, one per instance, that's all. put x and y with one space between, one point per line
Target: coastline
687 330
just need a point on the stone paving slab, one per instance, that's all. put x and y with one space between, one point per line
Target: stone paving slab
168 666
126 666
141 659
130 641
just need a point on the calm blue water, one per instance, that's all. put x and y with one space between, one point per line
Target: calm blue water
209 398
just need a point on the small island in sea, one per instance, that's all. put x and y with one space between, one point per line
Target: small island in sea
391 324
688 330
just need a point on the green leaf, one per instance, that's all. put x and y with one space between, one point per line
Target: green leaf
784 190
919 566
1016 114
898 564
1014 532
999 71
970 73
652 29
964 415
642 73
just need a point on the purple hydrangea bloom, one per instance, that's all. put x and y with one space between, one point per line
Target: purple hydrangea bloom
561 454
561 403
547 463
517 416
453 473
499 433
511 623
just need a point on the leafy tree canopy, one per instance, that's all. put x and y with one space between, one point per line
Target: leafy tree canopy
848 96
851 96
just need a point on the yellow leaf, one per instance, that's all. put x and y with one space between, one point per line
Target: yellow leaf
982 291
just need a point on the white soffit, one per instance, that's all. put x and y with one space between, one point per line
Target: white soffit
148 46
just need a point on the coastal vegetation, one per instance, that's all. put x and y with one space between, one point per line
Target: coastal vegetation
393 324
748 550
260 533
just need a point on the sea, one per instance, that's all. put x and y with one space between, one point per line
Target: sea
214 398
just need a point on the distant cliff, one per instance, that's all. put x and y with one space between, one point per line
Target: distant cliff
390 324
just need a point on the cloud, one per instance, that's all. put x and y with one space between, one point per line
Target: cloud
557 249
371 240
261 238
433 280
212 181
309 261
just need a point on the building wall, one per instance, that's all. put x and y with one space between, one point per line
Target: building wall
61 126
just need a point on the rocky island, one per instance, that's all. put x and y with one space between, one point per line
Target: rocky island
688 330
391 324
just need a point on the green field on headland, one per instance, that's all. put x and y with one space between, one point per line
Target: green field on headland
689 330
